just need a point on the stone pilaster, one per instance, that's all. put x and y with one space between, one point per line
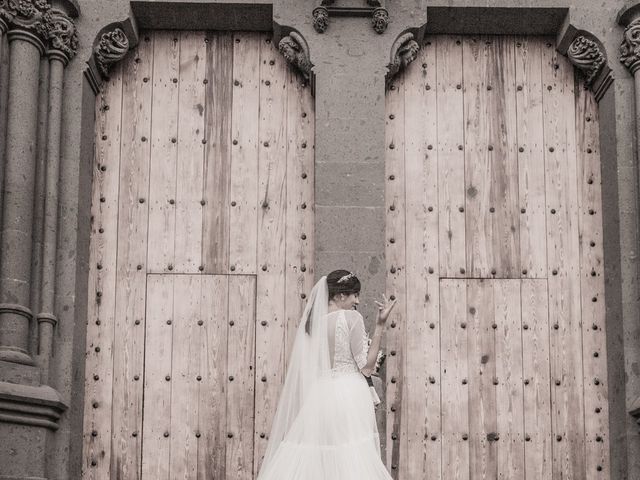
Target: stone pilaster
38 196
30 410
5 18
630 58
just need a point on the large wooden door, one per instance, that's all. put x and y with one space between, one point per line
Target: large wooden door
497 365
201 252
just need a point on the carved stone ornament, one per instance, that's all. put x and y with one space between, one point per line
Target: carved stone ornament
634 411
112 47
63 35
5 16
586 55
320 19
404 51
31 15
380 20
296 51
630 47
374 10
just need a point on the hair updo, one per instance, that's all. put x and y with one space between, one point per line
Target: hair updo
350 284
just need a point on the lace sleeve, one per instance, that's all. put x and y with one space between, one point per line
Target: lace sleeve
358 340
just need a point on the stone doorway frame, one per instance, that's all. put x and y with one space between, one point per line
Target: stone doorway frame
584 49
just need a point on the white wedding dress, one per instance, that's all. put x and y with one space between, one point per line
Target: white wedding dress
334 436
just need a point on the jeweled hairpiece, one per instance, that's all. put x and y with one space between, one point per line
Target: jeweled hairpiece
346 277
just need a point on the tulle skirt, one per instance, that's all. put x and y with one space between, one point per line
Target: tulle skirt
334 437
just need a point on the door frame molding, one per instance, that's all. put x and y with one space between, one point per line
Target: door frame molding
120 34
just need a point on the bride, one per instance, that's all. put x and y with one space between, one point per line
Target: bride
325 426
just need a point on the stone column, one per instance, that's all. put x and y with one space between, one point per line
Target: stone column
26 37
4 94
62 49
38 197
630 58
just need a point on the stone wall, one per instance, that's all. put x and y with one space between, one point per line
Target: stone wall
350 65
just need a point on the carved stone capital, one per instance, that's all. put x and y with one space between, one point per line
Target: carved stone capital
404 51
630 47
586 55
33 16
296 51
320 19
63 36
112 47
5 17
380 20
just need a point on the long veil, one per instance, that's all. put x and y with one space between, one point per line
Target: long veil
308 361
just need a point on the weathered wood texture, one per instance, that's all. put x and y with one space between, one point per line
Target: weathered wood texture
396 434
201 254
497 365
422 342
272 195
592 287
128 347
97 444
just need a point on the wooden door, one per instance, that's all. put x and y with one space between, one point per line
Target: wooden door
497 352
201 253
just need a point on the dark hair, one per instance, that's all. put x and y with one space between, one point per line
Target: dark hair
349 284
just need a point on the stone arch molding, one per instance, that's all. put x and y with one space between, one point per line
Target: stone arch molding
113 42
583 49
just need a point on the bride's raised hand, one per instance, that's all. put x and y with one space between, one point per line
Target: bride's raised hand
384 308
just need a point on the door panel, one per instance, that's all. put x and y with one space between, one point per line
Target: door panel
493 208
201 253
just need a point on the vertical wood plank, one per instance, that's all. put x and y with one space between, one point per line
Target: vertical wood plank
455 383
217 152
243 217
493 246
396 432
509 391
530 139
451 156
128 353
101 283
211 435
476 56
483 421
504 212
184 423
300 202
240 392
189 208
271 241
162 182
536 373
185 363
563 261
594 345
156 449
423 453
